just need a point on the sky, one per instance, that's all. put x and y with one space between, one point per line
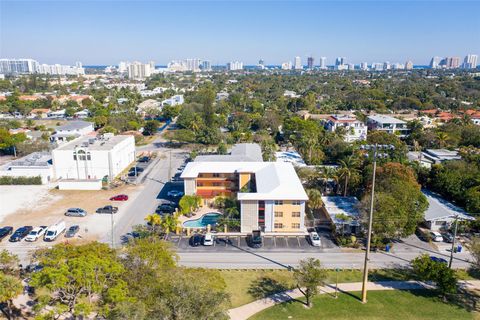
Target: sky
106 32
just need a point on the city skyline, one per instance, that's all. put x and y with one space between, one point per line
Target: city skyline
65 32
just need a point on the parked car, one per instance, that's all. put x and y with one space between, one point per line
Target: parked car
72 231
107 209
208 239
176 178
165 208
136 169
5 231
175 193
436 236
119 197
36 233
76 212
195 240
54 231
447 237
170 203
20 233
437 259
315 239
254 240
144 159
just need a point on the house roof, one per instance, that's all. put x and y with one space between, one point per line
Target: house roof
274 180
440 208
381 118
335 206
241 152
74 125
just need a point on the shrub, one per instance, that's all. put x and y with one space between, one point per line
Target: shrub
20 180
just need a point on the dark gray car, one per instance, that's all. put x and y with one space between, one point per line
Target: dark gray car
72 231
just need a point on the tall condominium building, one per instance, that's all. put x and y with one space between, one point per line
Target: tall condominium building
470 61
261 64
298 63
139 71
206 65
235 65
123 66
310 61
57 69
364 66
452 62
18 66
323 62
340 61
386 65
408 65
435 62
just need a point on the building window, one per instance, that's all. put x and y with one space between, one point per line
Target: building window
278 225
296 202
295 225
278 214
216 175
216 184
199 184
278 202
296 214
74 156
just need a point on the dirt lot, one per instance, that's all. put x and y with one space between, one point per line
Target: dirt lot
52 206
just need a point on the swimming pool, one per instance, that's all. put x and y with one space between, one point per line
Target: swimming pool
202 222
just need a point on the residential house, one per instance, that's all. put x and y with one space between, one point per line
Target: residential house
173 101
388 124
71 130
343 213
353 129
37 164
39 113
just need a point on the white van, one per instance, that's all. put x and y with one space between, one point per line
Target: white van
54 231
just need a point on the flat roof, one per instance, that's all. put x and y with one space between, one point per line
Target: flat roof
336 205
74 125
381 118
440 208
274 180
94 143
241 152
35 159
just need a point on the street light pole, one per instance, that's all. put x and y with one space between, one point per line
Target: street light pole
112 230
369 235
453 242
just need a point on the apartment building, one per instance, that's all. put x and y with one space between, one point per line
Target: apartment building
94 158
354 129
388 124
272 198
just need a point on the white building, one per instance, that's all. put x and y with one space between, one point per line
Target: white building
94 158
297 63
58 69
323 63
441 213
235 65
409 65
354 129
139 71
18 66
174 101
364 66
37 164
470 61
287 65
388 124
71 130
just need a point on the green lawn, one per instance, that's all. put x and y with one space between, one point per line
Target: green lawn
245 286
391 305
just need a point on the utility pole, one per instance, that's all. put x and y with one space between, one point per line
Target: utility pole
453 242
169 165
369 235
112 230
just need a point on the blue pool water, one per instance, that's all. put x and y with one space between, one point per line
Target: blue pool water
207 219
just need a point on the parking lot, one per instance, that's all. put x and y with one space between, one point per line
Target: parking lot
270 243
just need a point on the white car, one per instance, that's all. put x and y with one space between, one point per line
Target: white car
208 239
436 236
35 234
315 239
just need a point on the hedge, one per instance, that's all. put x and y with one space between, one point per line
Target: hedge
20 180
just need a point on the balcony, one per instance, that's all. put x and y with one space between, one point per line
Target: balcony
208 193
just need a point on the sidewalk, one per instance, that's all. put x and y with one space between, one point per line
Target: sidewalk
246 311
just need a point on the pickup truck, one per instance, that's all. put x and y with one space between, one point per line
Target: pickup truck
107 209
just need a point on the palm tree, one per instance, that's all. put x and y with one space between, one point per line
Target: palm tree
169 223
314 199
442 139
153 220
348 169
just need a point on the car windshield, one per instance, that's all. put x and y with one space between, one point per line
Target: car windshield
315 237
50 233
33 233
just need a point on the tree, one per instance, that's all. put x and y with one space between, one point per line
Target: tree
8 262
474 248
169 223
428 270
348 171
189 203
153 220
10 287
309 275
314 199
150 128
79 278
